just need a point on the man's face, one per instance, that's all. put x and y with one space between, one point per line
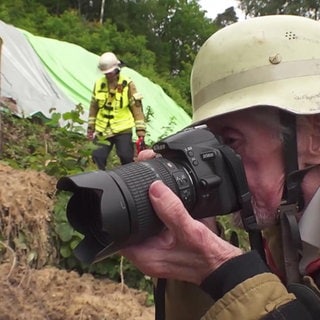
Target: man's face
111 75
255 135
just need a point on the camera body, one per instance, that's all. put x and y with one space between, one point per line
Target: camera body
202 177
112 208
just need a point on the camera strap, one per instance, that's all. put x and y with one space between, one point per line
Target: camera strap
292 188
239 178
159 293
292 199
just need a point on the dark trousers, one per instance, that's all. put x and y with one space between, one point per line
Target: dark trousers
124 150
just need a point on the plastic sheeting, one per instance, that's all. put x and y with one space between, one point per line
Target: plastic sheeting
41 73
24 79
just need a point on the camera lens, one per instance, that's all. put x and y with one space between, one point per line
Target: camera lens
117 210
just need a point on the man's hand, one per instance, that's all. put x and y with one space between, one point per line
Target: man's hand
140 133
146 155
140 145
186 249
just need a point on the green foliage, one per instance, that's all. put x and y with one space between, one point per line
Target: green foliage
66 239
305 8
226 18
59 150
167 129
231 231
42 145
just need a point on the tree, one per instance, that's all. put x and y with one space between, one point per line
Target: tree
171 27
307 8
229 16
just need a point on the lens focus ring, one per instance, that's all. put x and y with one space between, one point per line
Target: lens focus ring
138 177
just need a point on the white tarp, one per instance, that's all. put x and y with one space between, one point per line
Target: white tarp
24 79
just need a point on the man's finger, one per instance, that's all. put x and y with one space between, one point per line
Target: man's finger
146 155
168 206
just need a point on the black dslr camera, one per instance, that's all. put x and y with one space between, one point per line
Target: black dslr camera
112 208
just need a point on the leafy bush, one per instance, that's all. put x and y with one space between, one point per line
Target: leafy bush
44 145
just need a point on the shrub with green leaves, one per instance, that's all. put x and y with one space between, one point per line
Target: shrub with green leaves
45 145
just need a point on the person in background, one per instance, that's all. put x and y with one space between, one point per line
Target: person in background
255 84
115 109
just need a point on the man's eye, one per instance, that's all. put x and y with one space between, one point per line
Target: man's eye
229 141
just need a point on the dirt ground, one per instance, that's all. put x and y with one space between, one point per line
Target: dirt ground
30 287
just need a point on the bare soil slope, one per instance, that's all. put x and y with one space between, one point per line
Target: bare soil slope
30 287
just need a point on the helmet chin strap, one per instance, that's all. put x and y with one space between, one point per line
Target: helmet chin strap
292 188
292 199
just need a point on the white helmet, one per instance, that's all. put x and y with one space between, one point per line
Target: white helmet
269 60
108 62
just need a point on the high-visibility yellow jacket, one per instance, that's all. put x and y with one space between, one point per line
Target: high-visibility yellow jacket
115 111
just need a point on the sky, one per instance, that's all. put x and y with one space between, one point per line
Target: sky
214 7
